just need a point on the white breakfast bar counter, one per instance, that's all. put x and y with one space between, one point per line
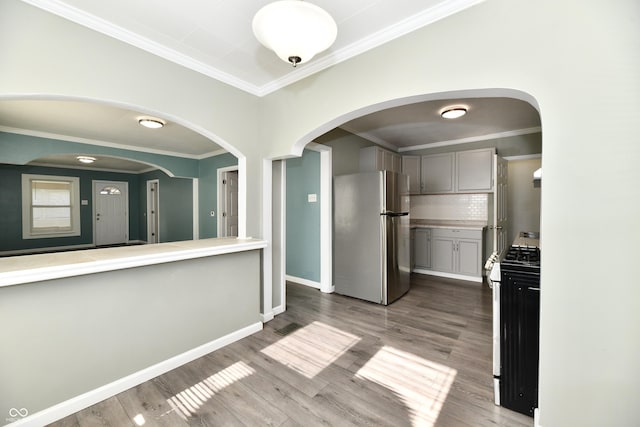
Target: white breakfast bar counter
78 327
21 269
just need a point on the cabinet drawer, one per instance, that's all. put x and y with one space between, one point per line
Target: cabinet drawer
455 233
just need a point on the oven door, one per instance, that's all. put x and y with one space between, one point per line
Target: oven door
494 276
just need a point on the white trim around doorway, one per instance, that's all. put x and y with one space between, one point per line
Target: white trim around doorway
220 192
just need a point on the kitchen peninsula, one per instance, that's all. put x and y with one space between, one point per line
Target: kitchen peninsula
81 326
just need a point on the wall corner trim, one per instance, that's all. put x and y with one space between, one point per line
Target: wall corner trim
99 394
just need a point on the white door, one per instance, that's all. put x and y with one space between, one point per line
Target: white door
111 221
153 211
230 214
500 219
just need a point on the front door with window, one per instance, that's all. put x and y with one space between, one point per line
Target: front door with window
111 218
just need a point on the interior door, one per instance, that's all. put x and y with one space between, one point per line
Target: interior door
500 218
111 221
230 213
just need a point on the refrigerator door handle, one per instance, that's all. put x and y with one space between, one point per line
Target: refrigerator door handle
394 214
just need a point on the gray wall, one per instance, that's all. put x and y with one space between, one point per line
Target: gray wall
345 150
65 337
509 146
523 199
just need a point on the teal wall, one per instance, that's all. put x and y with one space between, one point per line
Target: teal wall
21 149
176 194
303 218
11 206
208 191
176 206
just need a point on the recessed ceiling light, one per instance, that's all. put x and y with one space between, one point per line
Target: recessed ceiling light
453 112
86 159
151 123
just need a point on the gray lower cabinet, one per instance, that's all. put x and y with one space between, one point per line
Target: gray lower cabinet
422 248
457 251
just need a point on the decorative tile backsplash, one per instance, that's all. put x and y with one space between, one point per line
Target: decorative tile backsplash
459 207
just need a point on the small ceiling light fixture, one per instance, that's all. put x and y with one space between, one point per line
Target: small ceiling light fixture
151 123
294 29
86 159
453 112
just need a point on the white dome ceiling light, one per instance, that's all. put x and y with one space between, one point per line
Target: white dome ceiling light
86 159
151 123
453 112
294 29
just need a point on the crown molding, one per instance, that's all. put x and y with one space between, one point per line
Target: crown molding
497 135
88 141
105 27
59 166
370 137
385 35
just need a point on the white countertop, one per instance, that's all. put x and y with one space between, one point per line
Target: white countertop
457 224
34 268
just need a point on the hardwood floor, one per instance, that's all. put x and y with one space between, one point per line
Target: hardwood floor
425 360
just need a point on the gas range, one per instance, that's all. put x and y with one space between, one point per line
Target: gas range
523 256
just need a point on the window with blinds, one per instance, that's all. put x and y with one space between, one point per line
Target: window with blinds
50 206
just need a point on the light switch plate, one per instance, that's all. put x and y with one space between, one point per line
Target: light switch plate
312 198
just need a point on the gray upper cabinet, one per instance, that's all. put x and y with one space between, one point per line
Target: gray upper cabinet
475 170
411 168
462 172
438 173
375 158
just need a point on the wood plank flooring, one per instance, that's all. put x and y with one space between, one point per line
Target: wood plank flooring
425 360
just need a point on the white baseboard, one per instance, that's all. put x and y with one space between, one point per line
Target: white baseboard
536 417
279 309
448 275
302 281
75 404
267 317
331 290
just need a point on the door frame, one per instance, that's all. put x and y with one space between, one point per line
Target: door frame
326 231
157 231
220 229
93 212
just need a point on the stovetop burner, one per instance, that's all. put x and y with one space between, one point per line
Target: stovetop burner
524 254
522 258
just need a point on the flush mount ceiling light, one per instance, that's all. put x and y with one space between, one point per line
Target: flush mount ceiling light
453 112
151 123
295 30
86 159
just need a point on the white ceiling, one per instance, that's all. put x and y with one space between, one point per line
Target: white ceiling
419 125
214 37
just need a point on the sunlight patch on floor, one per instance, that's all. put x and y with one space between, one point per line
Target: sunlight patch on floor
187 402
422 385
312 348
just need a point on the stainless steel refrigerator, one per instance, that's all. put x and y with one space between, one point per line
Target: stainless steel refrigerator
371 236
